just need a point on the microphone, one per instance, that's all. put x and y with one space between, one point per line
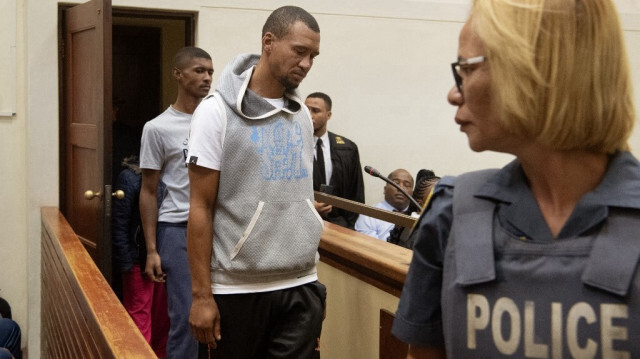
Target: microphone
375 173
372 171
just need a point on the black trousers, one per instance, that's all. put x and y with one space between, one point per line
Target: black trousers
280 324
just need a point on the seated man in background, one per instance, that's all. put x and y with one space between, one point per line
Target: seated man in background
339 164
394 201
425 181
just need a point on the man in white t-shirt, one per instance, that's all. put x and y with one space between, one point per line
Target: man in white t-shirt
162 155
253 230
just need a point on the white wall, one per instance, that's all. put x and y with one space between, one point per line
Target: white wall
385 64
13 188
386 67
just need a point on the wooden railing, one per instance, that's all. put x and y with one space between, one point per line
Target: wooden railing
81 316
381 264
397 218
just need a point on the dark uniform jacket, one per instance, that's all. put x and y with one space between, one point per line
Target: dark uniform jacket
346 179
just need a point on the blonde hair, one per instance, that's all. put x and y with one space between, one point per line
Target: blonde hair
559 71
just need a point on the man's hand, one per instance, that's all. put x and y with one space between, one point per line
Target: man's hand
204 320
153 268
322 208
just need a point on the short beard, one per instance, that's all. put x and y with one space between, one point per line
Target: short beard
288 85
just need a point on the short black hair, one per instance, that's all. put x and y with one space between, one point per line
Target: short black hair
5 309
281 19
187 53
324 96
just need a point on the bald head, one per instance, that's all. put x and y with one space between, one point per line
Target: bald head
394 197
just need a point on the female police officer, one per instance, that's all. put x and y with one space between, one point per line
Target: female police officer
537 259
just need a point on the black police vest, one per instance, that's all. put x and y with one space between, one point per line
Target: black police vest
503 297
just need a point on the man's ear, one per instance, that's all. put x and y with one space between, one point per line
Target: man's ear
176 73
328 115
268 41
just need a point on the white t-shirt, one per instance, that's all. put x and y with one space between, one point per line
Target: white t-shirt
206 136
164 148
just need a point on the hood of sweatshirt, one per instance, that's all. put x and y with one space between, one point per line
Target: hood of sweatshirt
233 87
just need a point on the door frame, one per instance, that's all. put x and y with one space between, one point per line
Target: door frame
187 16
190 22
104 260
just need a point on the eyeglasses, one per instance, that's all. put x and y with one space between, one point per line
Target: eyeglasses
456 66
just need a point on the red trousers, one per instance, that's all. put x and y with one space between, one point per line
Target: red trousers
146 302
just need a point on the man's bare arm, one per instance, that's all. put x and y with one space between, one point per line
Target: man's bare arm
149 218
204 318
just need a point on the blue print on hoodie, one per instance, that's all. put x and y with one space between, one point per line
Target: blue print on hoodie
280 147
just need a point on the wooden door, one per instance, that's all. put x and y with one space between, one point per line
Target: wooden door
87 127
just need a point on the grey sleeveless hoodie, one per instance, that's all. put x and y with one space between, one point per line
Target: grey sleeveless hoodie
266 229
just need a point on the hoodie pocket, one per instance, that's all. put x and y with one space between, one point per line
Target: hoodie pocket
313 209
280 237
248 230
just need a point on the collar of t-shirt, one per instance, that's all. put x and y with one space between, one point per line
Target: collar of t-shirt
276 102
326 152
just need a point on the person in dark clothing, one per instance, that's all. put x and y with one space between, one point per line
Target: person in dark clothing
144 300
10 335
340 168
538 258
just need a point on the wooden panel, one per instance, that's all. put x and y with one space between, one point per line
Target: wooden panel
81 316
390 346
376 262
85 211
83 135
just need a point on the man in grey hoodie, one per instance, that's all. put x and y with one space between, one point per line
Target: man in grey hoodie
255 288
